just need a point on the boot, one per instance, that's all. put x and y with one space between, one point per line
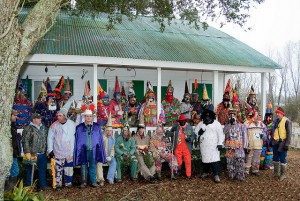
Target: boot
276 169
217 179
179 172
282 171
173 176
10 183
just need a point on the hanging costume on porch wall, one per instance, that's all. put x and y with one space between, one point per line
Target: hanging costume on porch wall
186 107
223 107
267 150
22 105
86 102
206 101
236 141
116 107
103 108
148 111
133 107
196 104
171 106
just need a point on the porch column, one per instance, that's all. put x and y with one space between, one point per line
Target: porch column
263 94
95 84
215 88
158 91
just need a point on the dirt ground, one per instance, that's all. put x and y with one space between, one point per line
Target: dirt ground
255 188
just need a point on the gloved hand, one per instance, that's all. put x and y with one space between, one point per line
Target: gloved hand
27 156
187 139
51 155
285 148
219 147
108 158
201 131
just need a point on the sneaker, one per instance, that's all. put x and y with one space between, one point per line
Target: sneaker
120 180
173 177
101 183
110 181
83 185
204 175
95 185
133 179
217 179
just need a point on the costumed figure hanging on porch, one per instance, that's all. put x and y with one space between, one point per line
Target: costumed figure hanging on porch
206 101
103 108
58 88
252 101
186 107
86 102
171 106
133 107
148 111
211 140
236 142
49 115
223 107
256 131
196 104
116 107
267 150
22 105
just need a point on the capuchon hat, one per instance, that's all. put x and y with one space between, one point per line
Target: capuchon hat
205 94
68 87
60 84
109 123
226 95
65 109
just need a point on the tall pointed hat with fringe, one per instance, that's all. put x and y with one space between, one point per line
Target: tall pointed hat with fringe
226 95
68 87
117 87
109 123
60 84
205 94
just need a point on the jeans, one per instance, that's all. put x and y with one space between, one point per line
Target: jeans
279 156
14 170
112 169
84 169
41 163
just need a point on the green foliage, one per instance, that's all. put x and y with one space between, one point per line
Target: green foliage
21 193
194 12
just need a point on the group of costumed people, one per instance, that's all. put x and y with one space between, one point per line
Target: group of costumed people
80 133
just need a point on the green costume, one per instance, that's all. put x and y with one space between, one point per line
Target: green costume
125 155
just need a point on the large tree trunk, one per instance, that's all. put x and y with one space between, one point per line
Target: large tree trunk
16 42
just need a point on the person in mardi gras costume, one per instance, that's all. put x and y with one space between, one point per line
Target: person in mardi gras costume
239 106
171 106
186 107
116 107
49 115
58 88
148 111
223 107
103 108
252 101
267 149
236 142
196 105
182 135
161 147
133 107
22 105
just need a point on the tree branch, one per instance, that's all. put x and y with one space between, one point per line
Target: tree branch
14 14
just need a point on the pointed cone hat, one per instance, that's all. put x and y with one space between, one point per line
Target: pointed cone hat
252 91
186 88
123 94
109 122
117 87
87 89
226 95
170 87
131 90
205 94
269 109
68 87
43 88
60 84
67 106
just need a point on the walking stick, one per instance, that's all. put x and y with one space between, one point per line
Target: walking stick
172 172
53 173
32 174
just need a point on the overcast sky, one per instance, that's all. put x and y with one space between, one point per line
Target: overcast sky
273 23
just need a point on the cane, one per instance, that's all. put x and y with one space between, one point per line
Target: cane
173 144
32 174
53 173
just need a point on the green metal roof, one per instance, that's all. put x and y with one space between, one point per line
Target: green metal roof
141 39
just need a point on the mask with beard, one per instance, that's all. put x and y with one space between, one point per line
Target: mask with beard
226 103
186 98
132 101
105 101
269 119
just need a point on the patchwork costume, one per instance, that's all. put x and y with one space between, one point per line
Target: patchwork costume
103 108
186 107
116 107
133 108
